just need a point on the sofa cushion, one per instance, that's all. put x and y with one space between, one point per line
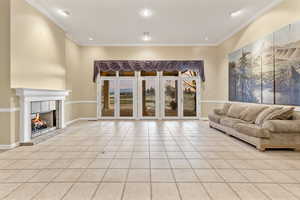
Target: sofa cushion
284 113
226 107
252 130
215 117
296 115
230 122
218 111
265 113
235 110
251 112
282 126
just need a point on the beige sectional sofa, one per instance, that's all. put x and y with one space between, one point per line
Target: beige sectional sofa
260 125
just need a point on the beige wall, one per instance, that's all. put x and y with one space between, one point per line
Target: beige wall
37 49
8 120
84 89
5 90
285 13
72 66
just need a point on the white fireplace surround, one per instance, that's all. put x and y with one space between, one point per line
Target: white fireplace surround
29 95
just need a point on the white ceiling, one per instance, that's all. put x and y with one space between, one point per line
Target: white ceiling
174 22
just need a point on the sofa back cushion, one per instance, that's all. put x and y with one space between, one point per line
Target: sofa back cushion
284 113
235 110
296 115
226 107
251 112
265 113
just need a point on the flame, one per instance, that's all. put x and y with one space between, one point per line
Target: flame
38 121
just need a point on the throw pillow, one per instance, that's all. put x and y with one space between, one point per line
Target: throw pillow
251 113
226 107
261 117
235 110
284 113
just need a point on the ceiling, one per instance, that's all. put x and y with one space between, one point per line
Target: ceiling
174 22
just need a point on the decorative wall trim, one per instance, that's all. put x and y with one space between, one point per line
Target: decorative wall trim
39 6
9 146
204 118
81 102
9 110
213 101
149 45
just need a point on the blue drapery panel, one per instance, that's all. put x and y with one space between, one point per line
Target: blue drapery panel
157 65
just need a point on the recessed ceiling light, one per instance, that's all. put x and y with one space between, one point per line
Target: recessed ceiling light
236 13
146 37
146 13
64 13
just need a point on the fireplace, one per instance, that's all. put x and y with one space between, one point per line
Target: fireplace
41 111
43 117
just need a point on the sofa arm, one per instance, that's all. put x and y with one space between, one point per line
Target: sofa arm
218 111
282 126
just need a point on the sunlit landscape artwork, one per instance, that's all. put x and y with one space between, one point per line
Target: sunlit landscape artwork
287 65
268 70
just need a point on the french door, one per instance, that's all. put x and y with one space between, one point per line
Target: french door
149 97
118 98
170 100
180 98
190 101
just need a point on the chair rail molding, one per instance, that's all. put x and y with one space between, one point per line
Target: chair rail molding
81 102
9 110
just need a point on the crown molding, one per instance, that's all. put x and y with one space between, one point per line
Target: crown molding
149 45
38 5
252 19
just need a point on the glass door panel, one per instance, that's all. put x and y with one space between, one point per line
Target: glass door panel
189 98
148 98
126 89
171 98
108 98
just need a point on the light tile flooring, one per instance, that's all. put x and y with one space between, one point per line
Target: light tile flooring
147 160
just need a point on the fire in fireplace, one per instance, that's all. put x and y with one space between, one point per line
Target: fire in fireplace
38 123
43 117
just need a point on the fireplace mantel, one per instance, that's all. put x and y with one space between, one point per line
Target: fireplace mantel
29 95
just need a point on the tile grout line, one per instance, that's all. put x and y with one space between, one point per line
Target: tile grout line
172 171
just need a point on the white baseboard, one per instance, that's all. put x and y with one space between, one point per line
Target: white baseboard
80 119
71 122
88 118
8 146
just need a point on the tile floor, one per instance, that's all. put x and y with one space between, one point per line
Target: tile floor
147 160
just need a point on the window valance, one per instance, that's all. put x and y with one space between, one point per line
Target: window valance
134 65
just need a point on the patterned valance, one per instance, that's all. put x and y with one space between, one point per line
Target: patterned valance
134 65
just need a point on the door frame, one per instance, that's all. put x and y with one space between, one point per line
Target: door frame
99 97
162 96
134 95
140 97
198 97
